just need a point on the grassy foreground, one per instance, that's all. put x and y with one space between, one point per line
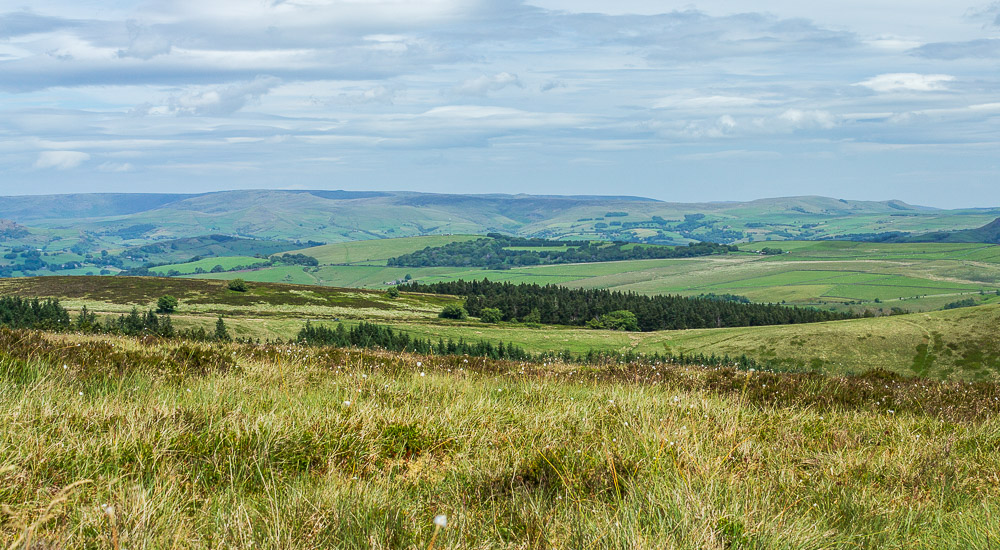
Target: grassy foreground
122 443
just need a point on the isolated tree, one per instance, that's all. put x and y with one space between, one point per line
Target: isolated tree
393 293
221 332
239 285
166 304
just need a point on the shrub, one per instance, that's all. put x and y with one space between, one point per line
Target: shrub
490 315
239 285
616 320
392 293
166 304
454 312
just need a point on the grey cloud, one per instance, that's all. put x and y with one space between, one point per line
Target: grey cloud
484 84
982 48
990 14
25 23
223 100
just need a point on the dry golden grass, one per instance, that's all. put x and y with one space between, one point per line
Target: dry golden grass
111 442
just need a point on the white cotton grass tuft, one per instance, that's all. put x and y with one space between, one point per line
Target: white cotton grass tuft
441 520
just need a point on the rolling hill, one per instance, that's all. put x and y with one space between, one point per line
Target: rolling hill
989 233
337 216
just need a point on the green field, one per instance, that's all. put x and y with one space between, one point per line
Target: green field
914 277
956 344
376 252
227 263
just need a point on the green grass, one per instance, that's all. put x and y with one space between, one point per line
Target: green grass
377 251
227 262
119 443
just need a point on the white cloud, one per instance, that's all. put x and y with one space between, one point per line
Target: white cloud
907 82
61 160
116 167
799 119
484 84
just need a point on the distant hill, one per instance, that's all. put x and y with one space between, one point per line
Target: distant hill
89 223
179 250
25 208
989 233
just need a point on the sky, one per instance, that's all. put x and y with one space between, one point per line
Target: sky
678 101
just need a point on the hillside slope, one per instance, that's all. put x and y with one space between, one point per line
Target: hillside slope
336 216
989 233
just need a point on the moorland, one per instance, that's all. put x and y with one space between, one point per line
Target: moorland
321 376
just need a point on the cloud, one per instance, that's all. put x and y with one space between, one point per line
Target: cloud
61 160
378 94
989 14
986 48
799 119
550 85
144 43
907 82
26 23
116 167
485 84
219 101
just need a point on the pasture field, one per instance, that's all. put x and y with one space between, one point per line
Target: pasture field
114 442
377 251
227 262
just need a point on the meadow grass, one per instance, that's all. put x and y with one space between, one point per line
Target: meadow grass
113 442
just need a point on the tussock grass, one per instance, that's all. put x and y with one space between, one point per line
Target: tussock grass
133 445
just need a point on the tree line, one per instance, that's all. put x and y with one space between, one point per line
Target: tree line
49 314
33 313
552 304
494 252
371 335
374 336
